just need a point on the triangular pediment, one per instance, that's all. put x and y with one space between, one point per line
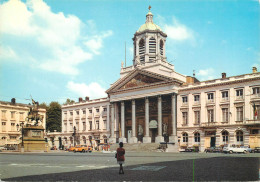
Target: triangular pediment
139 79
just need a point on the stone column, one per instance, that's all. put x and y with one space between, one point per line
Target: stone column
173 138
112 138
133 138
147 138
108 117
122 138
159 138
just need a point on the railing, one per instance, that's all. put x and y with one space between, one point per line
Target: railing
256 121
210 101
196 103
239 97
225 99
209 124
253 96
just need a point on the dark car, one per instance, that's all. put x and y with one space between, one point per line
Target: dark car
191 149
217 150
209 149
8 147
256 150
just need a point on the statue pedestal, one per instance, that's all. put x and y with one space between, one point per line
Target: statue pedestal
33 139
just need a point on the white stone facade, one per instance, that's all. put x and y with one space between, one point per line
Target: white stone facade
151 102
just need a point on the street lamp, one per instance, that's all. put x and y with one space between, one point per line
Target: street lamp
74 134
17 126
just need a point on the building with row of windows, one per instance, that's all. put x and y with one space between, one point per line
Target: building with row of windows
12 116
152 103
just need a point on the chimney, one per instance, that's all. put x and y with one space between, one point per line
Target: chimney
254 69
13 100
80 99
224 75
87 98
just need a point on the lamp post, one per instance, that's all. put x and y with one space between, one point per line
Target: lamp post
22 131
74 135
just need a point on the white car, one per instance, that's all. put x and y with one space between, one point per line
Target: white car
231 148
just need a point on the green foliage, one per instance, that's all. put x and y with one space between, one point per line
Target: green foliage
53 116
68 101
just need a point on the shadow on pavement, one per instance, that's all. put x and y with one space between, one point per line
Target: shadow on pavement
207 169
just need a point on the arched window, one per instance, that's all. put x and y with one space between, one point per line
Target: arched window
225 136
161 47
239 136
185 137
141 50
197 137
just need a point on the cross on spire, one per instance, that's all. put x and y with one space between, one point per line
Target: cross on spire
149 7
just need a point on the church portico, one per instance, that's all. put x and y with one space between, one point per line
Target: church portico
144 120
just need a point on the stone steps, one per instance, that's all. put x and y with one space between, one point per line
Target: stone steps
136 147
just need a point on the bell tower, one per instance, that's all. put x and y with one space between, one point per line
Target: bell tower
149 43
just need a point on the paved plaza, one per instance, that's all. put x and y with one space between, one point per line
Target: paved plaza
140 166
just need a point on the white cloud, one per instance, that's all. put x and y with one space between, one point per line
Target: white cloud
93 90
52 41
178 31
206 74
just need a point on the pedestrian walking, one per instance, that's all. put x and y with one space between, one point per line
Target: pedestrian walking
121 157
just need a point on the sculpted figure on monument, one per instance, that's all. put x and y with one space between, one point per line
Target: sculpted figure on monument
140 130
33 114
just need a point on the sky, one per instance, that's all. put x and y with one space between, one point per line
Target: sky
58 49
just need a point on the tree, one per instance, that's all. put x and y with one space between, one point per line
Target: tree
68 101
53 117
44 106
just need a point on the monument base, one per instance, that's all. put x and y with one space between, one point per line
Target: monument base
112 140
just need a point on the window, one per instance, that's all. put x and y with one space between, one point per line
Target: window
197 137
84 111
152 45
84 126
12 137
3 126
225 136
104 109
3 114
256 90
97 110
239 136
71 127
141 50
161 47
105 124
197 117
90 111
97 125
256 110
196 98
225 113
3 123
90 125
185 137
210 97
185 99
77 112
239 93
225 95
240 113
71 113
12 115
185 118
12 126
21 116
210 115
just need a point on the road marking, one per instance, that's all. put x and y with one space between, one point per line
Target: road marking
148 168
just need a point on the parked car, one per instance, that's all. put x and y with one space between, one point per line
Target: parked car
249 150
2 148
217 150
256 150
209 149
191 149
9 147
231 148
83 148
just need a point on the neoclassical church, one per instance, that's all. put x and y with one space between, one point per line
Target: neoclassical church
152 103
